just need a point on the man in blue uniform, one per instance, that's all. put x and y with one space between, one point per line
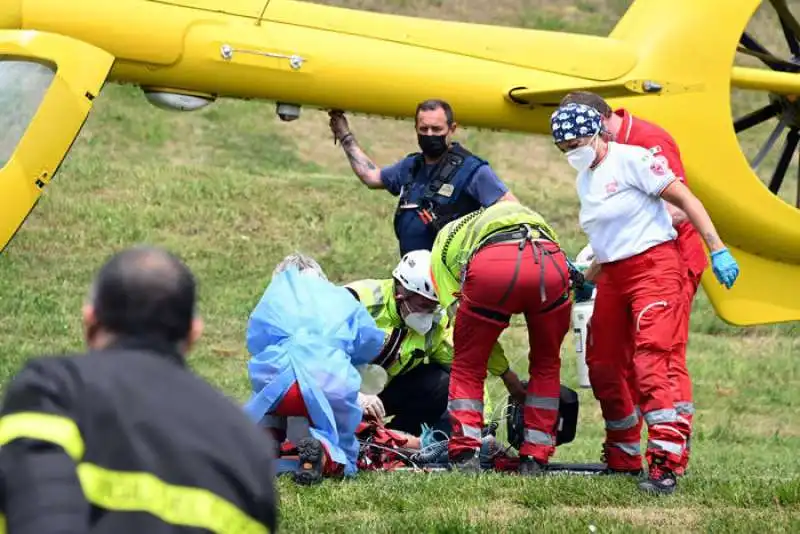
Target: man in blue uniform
442 182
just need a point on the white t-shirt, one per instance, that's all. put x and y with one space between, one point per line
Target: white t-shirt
621 210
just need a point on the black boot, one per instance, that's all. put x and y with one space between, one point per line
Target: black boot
661 479
310 456
531 467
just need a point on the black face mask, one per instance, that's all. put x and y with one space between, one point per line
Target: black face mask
432 146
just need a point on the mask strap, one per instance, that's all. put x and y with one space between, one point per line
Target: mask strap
595 137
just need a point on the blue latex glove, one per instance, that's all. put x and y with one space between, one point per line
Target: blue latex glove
584 291
725 267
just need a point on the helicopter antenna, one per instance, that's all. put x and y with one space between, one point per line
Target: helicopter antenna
264 10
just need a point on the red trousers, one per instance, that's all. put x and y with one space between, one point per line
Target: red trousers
640 304
678 370
292 403
482 316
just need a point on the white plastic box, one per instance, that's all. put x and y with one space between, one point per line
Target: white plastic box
581 313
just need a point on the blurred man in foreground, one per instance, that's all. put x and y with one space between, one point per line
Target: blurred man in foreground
125 438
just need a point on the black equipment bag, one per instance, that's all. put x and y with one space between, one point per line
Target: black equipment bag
566 425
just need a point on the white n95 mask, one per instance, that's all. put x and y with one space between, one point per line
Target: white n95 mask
582 157
419 322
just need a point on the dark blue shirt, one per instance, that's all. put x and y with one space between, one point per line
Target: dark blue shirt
485 188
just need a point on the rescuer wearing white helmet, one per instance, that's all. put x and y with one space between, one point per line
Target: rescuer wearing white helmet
418 348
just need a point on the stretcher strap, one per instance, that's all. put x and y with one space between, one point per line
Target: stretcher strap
513 282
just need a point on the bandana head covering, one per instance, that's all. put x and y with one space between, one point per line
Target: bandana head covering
574 121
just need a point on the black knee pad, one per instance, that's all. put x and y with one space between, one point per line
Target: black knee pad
566 424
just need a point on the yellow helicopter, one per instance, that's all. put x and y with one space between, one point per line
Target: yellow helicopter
668 61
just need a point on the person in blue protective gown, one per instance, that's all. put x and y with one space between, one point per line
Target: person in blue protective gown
309 340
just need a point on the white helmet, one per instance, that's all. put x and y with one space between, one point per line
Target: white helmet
414 273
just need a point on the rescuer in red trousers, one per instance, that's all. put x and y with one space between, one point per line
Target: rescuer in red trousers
487 266
640 289
626 129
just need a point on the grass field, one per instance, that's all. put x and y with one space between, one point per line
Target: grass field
233 190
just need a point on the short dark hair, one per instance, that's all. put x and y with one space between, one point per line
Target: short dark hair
145 292
589 99
433 104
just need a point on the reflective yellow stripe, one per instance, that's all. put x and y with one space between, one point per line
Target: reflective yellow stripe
129 491
44 427
178 505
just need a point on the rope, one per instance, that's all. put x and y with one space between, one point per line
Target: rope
388 449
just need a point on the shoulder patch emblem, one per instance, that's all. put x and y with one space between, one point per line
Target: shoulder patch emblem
657 168
663 161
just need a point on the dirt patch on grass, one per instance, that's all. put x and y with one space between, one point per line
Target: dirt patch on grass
764 345
660 519
783 425
500 512
360 516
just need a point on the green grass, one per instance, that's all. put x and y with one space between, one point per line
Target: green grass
233 190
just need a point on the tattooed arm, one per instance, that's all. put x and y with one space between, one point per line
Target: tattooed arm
365 169
679 195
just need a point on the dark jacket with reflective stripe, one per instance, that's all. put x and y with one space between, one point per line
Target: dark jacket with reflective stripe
128 440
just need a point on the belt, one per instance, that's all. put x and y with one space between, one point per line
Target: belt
521 233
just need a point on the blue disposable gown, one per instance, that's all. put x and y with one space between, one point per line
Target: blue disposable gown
308 330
